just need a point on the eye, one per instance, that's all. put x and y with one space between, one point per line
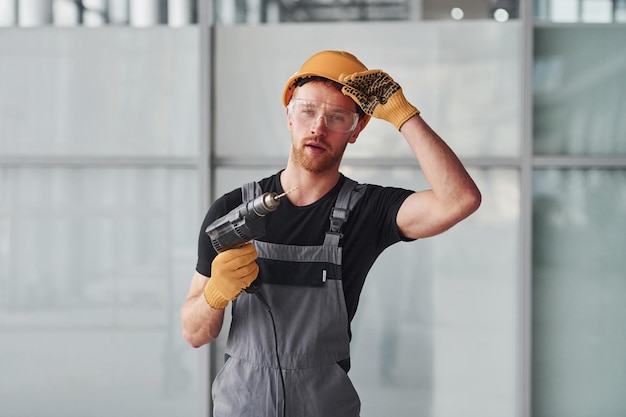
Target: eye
338 117
307 112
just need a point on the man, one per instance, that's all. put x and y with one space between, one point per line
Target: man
288 345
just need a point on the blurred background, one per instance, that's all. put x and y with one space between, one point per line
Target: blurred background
121 120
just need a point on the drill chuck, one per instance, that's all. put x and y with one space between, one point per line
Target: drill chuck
264 204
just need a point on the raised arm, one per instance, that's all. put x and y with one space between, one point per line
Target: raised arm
453 194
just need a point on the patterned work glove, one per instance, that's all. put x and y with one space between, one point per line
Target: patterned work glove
379 96
231 272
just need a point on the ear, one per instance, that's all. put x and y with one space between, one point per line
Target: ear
289 122
356 131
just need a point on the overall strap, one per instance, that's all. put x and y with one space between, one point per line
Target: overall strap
250 191
348 196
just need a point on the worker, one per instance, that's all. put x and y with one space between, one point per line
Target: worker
288 348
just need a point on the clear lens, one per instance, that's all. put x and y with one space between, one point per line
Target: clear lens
337 119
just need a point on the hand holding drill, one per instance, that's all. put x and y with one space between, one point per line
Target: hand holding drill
234 269
231 272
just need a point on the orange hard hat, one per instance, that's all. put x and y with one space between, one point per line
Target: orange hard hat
326 64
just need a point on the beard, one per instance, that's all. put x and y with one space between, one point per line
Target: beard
317 164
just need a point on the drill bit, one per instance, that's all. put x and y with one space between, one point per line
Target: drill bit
279 196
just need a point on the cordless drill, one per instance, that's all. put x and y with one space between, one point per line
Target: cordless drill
243 224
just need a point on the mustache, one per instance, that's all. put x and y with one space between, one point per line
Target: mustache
314 139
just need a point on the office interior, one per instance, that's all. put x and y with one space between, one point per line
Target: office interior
122 120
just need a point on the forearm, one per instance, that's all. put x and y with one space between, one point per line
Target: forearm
443 170
201 323
453 195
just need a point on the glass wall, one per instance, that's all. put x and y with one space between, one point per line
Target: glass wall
579 90
98 221
580 338
579 191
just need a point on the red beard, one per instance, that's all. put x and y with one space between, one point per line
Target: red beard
305 155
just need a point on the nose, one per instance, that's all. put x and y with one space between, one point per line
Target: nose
317 125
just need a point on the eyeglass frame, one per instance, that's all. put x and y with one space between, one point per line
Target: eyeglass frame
356 115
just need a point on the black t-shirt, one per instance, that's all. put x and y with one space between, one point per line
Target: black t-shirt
371 227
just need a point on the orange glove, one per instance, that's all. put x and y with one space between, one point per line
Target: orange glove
379 96
231 272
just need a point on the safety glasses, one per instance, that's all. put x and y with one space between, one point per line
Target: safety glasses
336 118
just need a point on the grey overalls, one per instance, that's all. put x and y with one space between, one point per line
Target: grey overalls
302 288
